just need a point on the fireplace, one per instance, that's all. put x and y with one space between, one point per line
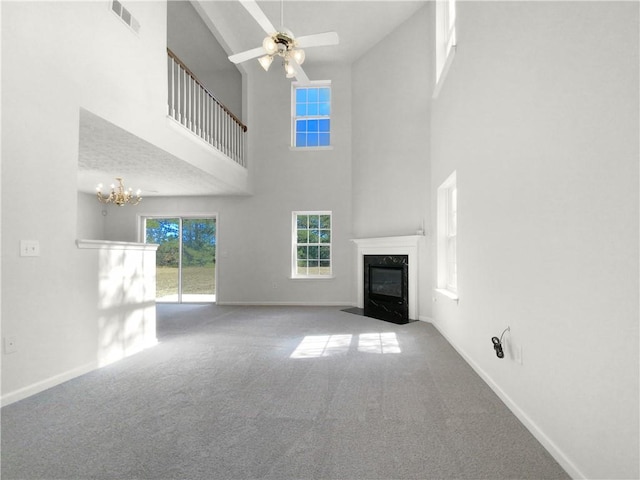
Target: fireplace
386 294
407 247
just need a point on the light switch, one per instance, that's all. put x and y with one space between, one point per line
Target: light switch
29 248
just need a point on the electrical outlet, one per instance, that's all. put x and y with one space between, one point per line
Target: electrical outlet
10 344
29 248
518 354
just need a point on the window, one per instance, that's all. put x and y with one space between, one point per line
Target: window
311 244
447 237
311 112
445 39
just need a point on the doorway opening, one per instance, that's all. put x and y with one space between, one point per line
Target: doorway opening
186 258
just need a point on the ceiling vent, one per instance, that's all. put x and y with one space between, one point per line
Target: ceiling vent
125 16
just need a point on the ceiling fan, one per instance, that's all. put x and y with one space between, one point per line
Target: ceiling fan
281 43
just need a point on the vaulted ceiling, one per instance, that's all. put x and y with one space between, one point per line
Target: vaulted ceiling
360 25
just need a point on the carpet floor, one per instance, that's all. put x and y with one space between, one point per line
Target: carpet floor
274 393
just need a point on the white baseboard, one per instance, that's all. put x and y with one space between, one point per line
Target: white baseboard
552 448
42 385
287 304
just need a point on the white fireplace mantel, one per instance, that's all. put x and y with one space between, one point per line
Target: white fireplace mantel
401 245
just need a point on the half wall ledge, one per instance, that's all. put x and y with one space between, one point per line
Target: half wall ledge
121 283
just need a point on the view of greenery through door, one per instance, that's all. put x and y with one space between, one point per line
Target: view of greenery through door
186 258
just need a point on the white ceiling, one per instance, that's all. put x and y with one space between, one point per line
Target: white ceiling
360 24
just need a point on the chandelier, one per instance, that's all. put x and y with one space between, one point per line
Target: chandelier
119 195
282 44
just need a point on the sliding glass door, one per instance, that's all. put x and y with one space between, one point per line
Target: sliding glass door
186 258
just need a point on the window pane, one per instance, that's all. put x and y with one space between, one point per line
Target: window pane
324 125
314 236
314 221
325 221
301 95
325 236
323 140
314 253
312 109
301 109
324 109
302 253
312 95
302 221
301 139
303 236
312 140
325 253
301 125
312 125
324 94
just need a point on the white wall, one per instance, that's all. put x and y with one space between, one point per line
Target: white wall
254 249
539 117
91 213
43 301
58 57
392 86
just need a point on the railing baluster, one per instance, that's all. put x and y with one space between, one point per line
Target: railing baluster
193 106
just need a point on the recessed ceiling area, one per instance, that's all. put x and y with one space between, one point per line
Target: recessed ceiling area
105 149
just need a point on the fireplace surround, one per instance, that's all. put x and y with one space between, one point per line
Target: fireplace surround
407 245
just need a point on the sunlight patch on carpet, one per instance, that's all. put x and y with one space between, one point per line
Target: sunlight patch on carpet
315 346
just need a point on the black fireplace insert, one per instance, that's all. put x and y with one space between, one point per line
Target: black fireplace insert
386 294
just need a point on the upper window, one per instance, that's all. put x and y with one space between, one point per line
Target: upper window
447 236
445 38
311 112
311 244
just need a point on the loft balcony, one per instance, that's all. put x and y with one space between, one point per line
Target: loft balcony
194 107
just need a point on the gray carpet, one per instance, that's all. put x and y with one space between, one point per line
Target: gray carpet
274 393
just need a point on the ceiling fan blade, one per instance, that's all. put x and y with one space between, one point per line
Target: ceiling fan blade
247 55
318 40
301 76
256 12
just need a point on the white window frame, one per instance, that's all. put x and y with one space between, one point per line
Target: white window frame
446 40
312 83
447 238
294 245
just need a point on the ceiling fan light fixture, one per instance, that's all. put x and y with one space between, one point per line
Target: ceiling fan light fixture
265 62
298 55
289 70
269 45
